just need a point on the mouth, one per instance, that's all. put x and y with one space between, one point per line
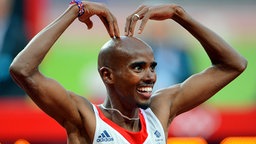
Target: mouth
146 92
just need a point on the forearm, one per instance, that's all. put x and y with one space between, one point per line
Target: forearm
28 60
219 52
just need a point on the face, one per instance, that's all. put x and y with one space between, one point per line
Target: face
134 75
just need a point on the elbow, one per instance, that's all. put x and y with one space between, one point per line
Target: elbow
240 66
18 70
243 65
15 70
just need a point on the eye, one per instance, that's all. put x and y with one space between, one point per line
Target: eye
137 68
153 66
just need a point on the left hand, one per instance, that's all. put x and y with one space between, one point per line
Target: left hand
144 13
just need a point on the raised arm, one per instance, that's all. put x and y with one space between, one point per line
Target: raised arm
48 94
227 64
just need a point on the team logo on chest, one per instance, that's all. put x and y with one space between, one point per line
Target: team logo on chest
158 136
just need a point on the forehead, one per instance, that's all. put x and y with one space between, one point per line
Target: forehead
136 50
121 51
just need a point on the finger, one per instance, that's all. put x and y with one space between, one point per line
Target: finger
89 24
110 21
109 24
127 26
139 15
106 24
143 23
116 28
134 20
129 20
87 21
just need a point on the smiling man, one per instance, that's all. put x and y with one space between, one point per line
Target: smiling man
131 113
127 67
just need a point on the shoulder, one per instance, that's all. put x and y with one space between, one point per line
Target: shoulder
163 103
84 106
165 96
87 123
81 101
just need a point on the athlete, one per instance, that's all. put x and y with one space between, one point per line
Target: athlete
131 113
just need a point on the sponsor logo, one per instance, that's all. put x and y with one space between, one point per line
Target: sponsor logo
105 137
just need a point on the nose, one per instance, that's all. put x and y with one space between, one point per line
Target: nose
150 76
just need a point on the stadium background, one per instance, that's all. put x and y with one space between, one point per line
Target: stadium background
73 62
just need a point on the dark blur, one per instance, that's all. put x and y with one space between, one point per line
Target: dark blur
12 40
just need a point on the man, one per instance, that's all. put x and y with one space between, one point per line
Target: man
130 113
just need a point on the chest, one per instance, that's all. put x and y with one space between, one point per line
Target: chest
108 132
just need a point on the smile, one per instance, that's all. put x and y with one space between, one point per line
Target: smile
145 89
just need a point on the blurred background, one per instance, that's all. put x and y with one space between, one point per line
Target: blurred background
73 62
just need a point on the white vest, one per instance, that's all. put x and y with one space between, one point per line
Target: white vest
107 132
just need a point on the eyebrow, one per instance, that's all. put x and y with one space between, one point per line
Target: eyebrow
143 63
153 63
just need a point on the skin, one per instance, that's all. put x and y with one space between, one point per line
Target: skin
126 65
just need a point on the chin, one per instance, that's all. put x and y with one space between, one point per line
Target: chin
144 105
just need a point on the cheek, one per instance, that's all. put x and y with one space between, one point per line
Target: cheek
128 82
130 76
155 77
133 78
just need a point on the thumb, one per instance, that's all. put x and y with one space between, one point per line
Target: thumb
88 22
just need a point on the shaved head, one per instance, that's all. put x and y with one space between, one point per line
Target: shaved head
117 48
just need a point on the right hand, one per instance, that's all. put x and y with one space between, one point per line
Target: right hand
108 19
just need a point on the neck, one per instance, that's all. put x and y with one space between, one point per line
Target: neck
121 114
131 124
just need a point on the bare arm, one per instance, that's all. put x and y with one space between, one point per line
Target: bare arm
48 94
227 64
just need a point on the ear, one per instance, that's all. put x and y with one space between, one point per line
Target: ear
106 75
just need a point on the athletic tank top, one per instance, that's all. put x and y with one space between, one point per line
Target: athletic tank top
107 132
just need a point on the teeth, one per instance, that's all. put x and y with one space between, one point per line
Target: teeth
145 89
